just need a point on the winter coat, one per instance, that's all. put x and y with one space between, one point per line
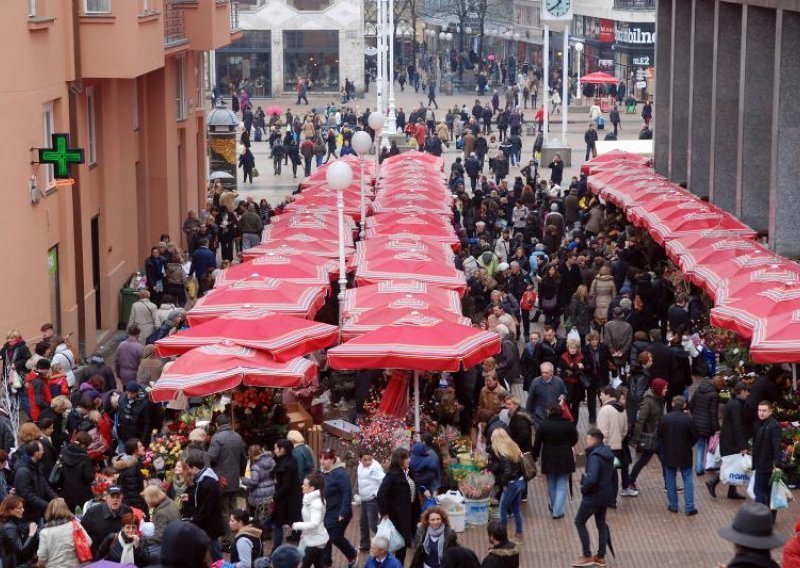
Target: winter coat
598 486
579 315
16 356
603 290
618 335
305 460
677 436
57 545
129 355
426 467
134 418
338 493
130 480
767 446
63 356
205 498
150 366
162 515
508 360
394 500
662 360
791 553
31 484
520 429
144 313
99 522
598 372
16 546
612 420
542 395
450 539
650 412
287 497
554 441
704 406
78 483
228 457
732 435
260 485
312 526
247 546
680 376
503 555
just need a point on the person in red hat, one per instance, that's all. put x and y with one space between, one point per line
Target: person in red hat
645 434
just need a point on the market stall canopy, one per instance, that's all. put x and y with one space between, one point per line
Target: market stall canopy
371 320
297 244
405 242
615 158
283 336
300 268
411 265
315 228
411 293
417 343
275 295
599 78
212 369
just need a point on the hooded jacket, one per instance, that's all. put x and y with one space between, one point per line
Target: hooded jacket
150 366
650 413
503 555
260 484
287 497
206 500
612 420
130 480
425 465
312 526
247 546
77 485
32 486
338 493
597 483
704 406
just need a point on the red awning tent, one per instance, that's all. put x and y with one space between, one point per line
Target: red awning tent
614 159
599 78
756 292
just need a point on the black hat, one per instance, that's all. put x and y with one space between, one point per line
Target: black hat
753 527
133 386
114 490
184 544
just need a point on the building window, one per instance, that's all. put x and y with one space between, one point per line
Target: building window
91 122
180 88
312 55
310 5
48 129
246 64
97 6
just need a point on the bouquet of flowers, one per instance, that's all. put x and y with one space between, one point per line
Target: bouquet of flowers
382 434
252 408
167 450
476 485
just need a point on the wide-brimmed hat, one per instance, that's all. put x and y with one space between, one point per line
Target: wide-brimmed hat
753 527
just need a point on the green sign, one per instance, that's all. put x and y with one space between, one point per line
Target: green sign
61 156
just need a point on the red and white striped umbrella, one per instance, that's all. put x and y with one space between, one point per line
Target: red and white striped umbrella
713 274
371 320
406 217
409 293
315 228
688 252
418 202
275 295
301 218
410 265
391 244
298 268
298 244
212 369
352 203
284 337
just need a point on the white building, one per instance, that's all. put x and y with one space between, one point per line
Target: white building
283 40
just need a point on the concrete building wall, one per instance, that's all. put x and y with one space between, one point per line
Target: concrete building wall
730 125
148 166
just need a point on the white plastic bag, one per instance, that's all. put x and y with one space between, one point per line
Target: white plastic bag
736 469
387 530
751 487
713 459
573 335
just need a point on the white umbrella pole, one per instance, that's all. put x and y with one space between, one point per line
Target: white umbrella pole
416 404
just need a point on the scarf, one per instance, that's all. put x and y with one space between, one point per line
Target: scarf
435 536
127 550
412 486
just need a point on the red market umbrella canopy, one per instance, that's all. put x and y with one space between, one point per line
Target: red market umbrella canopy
413 225
770 319
410 265
411 293
212 369
276 295
665 206
389 245
599 78
614 157
273 109
298 244
395 204
318 229
637 189
688 252
417 343
298 268
725 277
427 160
451 240
284 337
400 221
352 203
371 320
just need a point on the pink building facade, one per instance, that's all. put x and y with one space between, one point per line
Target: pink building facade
126 79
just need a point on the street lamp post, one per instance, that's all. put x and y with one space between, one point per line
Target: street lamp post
578 58
379 31
361 143
391 118
375 121
339 175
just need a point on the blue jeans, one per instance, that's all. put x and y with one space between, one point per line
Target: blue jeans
672 488
216 550
510 500
700 449
277 535
557 485
368 523
762 487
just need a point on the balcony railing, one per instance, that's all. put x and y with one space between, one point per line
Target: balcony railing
634 4
174 24
234 15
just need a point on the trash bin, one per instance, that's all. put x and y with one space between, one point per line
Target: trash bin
127 297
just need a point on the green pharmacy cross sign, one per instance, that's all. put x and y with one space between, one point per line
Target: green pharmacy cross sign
61 156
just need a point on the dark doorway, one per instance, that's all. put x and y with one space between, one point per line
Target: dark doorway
96 271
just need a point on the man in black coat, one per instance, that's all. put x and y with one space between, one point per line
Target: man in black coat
678 316
598 493
770 388
677 436
473 170
30 483
205 497
662 356
503 553
134 414
766 452
732 436
106 518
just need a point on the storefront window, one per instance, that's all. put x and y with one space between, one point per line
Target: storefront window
246 64
313 56
309 5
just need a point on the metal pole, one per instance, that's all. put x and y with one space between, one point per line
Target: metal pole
391 119
379 45
416 405
565 86
363 198
578 59
546 85
342 269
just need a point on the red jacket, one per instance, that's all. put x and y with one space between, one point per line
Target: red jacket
419 133
791 552
39 396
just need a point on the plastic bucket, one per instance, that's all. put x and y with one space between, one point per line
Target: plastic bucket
477 511
458 520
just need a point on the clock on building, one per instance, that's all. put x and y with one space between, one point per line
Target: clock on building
556 10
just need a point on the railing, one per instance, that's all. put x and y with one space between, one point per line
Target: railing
634 4
234 15
174 24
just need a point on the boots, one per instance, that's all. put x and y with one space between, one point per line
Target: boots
711 484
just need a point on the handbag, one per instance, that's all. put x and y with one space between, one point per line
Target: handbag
255 172
56 474
549 304
82 549
649 441
528 466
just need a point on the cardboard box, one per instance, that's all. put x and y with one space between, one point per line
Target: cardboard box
341 429
299 418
